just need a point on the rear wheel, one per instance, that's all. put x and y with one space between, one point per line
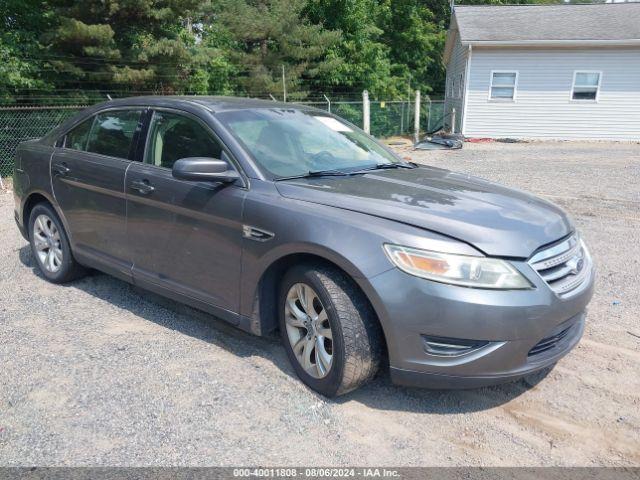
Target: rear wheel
50 246
329 330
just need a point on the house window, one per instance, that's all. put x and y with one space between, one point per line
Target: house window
460 86
585 85
503 85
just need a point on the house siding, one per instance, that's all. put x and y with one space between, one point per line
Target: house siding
543 107
456 66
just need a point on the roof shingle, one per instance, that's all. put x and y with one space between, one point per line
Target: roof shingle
595 22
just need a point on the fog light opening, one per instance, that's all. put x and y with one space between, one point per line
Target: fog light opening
450 347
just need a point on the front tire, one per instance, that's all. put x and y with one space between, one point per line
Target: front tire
50 246
329 330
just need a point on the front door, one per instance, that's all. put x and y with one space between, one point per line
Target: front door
185 237
87 174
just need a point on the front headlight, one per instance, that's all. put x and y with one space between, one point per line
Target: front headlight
478 272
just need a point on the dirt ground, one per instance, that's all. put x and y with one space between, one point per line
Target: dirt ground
98 373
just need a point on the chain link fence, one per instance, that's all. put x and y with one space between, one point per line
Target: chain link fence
18 124
388 118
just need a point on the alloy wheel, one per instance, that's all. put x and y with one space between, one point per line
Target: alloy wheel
309 330
46 239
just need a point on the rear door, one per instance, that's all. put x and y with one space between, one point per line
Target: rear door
87 175
185 237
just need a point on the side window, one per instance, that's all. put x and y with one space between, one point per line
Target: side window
113 132
503 85
585 86
77 138
173 136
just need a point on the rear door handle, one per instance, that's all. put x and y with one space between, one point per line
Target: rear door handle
142 186
60 169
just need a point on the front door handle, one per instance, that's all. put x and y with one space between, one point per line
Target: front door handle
60 169
142 186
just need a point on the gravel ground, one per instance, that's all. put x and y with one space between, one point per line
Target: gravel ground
98 373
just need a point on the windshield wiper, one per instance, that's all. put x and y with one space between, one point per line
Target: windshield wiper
342 173
386 166
396 165
316 173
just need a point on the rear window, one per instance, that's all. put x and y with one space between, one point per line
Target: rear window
77 138
112 133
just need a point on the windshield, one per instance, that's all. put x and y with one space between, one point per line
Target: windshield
289 142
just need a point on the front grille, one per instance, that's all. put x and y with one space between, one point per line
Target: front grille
548 343
564 266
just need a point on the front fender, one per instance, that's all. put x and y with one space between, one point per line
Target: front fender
350 240
307 248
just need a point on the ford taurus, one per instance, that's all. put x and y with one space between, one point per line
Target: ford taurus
281 218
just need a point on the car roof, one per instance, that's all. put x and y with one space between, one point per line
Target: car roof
212 103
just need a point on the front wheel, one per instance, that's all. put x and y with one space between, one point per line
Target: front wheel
329 330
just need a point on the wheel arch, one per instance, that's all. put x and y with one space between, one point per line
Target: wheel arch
34 198
264 317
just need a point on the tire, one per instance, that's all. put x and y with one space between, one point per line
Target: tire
356 342
51 232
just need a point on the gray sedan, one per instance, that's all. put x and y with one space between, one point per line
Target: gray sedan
277 217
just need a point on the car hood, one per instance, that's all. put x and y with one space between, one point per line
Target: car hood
496 220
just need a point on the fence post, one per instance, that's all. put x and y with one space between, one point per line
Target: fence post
328 103
284 86
366 115
453 120
416 119
429 110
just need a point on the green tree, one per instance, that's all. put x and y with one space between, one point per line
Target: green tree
415 36
365 57
21 53
127 44
263 36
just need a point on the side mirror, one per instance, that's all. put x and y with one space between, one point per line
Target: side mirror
204 169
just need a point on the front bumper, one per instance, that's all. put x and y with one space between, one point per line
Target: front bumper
531 364
509 323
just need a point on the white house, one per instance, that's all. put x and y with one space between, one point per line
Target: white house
545 71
